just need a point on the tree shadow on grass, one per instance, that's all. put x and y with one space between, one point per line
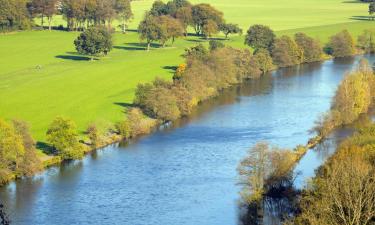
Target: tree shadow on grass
73 57
366 18
354 1
171 69
46 148
130 48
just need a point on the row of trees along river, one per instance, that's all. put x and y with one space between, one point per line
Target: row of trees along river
185 173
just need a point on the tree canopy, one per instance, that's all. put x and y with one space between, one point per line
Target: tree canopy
94 41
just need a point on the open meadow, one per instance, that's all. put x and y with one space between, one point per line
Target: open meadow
41 76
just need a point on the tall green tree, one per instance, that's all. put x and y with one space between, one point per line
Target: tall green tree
94 41
63 137
14 15
371 9
124 12
151 30
202 13
230 28
260 36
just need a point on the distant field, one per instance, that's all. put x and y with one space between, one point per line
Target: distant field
42 77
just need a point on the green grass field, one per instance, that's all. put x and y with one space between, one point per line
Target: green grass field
42 77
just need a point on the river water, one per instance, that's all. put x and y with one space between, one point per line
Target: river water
184 174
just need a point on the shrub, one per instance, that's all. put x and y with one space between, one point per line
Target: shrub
286 52
260 36
264 60
123 128
139 123
62 135
341 44
94 41
312 50
366 41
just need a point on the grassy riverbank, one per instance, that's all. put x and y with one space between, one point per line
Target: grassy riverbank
42 77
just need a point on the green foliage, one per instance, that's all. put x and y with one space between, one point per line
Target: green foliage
263 168
94 41
230 28
171 27
260 36
371 8
62 136
312 50
139 123
151 30
206 18
214 44
17 151
286 52
29 162
264 60
341 44
14 15
209 28
197 52
123 128
124 12
366 41
353 97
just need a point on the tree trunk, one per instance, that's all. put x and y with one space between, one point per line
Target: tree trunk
148 46
42 20
49 23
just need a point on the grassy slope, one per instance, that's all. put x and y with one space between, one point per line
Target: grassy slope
87 91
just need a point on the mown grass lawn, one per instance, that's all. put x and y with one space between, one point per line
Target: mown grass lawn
42 77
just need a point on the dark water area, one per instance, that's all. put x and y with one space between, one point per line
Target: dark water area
185 173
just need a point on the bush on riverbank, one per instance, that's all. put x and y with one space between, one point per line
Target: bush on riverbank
353 97
341 45
63 137
264 169
343 190
206 73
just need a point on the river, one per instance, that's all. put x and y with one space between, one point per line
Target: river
184 174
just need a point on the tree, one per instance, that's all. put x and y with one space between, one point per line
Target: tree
11 150
63 137
124 12
172 28
260 36
312 50
150 30
209 28
159 8
264 60
94 41
341 44
201 13
44 8
214 44
286 52
29 161
230 28
343 192
14 15
184 14
366 41
371 9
